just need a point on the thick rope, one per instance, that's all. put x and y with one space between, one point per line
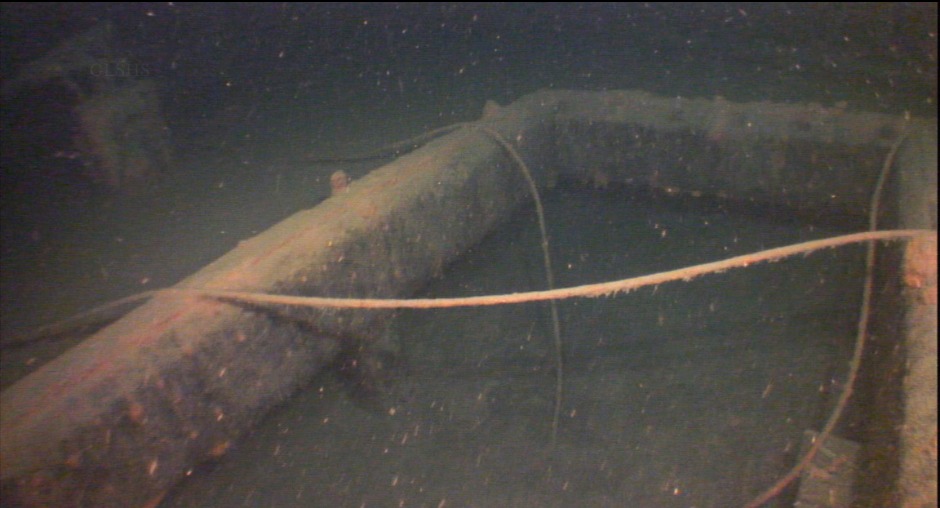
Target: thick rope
596 290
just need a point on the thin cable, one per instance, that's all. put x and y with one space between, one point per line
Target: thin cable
549 275
860 339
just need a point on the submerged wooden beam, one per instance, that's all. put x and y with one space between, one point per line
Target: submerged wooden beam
121 417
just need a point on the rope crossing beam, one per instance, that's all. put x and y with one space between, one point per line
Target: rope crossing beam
611 288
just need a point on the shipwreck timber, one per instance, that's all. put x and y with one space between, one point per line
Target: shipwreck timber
120 418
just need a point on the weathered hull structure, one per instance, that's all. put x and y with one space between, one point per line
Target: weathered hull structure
119 419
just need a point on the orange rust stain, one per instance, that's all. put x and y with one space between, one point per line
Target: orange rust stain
219 449
74 460
920 268
135 413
